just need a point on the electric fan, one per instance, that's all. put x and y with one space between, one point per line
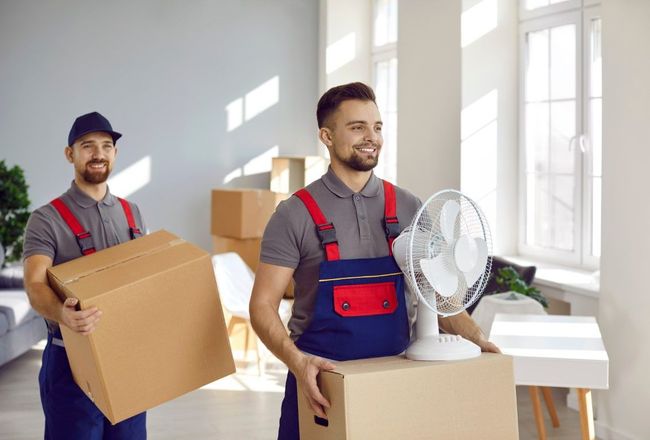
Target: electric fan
445 255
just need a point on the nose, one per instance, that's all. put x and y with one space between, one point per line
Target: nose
371 135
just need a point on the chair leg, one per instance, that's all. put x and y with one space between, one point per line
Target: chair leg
246 342
550 406
537 411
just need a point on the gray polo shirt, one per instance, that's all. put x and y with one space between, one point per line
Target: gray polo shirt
47 233
291 240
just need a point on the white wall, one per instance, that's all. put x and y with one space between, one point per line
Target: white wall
489 146
429 95
625 295
163 73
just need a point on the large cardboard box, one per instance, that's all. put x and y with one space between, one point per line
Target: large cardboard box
395 398
162 332
290 173
241 213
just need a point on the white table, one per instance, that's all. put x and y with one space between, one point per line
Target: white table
555 351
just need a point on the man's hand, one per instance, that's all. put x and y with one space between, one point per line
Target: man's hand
80 321
306 372
487 346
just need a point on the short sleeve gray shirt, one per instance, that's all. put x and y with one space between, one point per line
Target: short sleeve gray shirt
48 234
291 240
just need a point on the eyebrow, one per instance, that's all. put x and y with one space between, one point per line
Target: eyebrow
102 142
363 122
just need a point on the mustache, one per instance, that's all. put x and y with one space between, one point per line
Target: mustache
97 162
367 144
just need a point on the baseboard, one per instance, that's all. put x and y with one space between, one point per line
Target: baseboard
605 432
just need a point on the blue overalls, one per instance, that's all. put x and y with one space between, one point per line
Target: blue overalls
360 309
69 413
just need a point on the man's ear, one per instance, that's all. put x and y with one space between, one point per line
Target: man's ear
68 153
325 136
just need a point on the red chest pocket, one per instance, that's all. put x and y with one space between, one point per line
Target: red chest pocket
365 299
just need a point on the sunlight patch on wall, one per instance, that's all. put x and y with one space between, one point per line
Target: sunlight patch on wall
258 100
131 179
340 53
477 21
257 165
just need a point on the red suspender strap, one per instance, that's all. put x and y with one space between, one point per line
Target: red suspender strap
326 231
391 223
134 232
84 239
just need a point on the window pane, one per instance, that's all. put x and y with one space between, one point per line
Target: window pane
537 137
562 196
596 60
563 130
537 69
563 62
595 216
386 92
595 135
385 28
550 211
534 4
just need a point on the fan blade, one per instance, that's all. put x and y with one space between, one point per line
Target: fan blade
443 279
465 253
448 216
472 275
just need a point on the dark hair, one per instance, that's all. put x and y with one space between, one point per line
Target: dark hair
330 101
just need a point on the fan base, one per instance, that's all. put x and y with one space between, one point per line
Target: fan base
442 348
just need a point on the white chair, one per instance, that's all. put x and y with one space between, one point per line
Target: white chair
235 284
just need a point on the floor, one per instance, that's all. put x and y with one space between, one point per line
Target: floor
243 406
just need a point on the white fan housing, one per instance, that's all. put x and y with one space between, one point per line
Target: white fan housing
445 257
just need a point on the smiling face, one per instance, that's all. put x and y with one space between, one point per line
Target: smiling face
92 156
353 136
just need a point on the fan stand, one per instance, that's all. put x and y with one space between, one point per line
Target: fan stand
430 345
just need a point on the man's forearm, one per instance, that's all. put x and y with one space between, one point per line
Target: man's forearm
45 301
462 324
268 326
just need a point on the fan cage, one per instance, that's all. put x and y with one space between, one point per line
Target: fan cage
427 241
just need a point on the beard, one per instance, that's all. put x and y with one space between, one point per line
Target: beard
95 176
357 161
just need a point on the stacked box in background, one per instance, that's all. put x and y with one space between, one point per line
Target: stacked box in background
290 173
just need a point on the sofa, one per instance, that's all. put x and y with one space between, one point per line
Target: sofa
20 326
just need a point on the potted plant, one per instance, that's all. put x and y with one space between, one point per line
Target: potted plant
507 278
14 211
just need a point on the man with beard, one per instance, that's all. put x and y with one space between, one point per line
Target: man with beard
334 238
85 219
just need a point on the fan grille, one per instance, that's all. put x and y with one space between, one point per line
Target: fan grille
427 240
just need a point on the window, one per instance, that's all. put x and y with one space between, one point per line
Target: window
384 62
560 125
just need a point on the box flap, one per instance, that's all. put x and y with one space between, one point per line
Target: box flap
81 267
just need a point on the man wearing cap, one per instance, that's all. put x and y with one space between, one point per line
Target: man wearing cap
334 239
83 220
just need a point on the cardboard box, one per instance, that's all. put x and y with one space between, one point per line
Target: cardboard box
241 213
162 332
291 173
395 398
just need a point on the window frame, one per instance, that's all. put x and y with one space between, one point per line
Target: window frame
378 54
571 12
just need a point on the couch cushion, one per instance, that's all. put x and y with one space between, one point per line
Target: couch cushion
11 277
4 324
14 304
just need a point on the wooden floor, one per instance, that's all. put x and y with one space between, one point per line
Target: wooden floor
243 406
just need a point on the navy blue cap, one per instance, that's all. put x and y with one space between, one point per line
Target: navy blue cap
88 123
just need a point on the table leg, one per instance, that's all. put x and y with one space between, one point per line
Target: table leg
548 398
586 414
537 411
